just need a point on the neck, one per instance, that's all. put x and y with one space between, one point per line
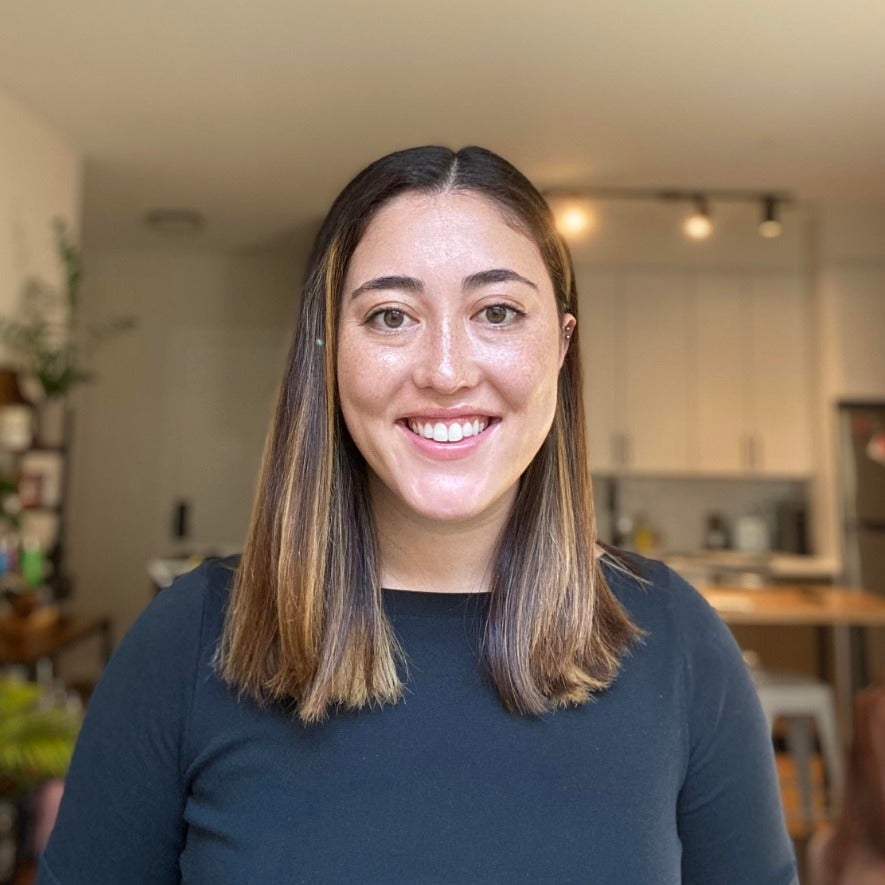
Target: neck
417 553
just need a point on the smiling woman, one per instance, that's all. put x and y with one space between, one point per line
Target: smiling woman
469 349
394 682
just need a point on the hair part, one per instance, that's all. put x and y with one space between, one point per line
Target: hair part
306 620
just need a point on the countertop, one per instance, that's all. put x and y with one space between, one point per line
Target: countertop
752 569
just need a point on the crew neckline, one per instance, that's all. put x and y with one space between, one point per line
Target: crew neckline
421 604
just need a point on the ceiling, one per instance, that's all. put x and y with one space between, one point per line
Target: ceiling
257 114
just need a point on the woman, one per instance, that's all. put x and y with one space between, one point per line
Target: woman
424 669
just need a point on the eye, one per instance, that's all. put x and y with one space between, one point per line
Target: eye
500 314
387 318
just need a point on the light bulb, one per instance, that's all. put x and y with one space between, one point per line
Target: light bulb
698 225
573 220
770 226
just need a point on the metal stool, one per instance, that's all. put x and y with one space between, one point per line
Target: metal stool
799 699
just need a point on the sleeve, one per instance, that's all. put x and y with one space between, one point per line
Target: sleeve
730 818
120 818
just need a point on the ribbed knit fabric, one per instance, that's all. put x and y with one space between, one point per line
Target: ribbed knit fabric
667 777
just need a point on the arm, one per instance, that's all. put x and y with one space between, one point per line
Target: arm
121 815
730 817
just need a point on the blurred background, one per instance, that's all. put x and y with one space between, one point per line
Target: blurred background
191 149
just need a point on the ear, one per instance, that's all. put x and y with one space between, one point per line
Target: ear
568 329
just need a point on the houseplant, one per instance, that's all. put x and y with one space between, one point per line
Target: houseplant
37 736
47 342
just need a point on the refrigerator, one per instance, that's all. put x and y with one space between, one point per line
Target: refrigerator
861 461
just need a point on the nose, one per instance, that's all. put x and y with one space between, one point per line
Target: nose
446 361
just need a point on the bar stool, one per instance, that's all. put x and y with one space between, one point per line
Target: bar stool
800 700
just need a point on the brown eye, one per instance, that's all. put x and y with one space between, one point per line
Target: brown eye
497 314
392 319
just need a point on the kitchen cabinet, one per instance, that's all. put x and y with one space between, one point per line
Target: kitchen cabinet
696 372
632 330
655 372
779 376
720 377
751 374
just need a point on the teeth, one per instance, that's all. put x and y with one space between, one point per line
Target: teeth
454 432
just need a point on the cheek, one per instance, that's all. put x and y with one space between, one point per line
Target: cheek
527 372
366 378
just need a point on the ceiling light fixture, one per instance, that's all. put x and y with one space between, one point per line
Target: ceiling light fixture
573 220
770 226
699 225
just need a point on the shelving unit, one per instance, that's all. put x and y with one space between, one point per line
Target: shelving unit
39 474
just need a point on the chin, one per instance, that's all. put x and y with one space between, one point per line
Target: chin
450 508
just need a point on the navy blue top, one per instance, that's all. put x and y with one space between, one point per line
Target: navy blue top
666 777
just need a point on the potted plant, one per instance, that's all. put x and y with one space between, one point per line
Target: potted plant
48 344
37 736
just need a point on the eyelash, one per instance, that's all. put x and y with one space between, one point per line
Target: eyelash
373 319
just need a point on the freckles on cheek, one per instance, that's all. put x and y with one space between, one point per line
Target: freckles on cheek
526 370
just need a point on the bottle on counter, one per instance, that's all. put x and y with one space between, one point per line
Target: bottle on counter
645 538
715 533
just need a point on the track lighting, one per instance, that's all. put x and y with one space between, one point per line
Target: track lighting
574 218
698 225
770 226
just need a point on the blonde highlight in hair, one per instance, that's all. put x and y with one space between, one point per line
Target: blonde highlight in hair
306 624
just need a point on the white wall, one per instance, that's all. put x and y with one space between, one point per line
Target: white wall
192 384
40 179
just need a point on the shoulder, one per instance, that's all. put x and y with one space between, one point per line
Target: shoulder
676 618
652 593
187 615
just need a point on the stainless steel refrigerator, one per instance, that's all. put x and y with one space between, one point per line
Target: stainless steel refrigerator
862 481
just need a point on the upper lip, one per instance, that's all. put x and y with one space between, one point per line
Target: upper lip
450 414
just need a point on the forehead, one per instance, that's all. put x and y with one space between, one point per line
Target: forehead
449 231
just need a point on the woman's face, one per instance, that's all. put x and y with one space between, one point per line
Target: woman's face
449 350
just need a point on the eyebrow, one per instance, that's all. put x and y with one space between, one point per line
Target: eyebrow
474 281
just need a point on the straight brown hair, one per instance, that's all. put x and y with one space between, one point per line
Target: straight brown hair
306 624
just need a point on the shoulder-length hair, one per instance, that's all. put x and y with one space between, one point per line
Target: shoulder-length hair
306 621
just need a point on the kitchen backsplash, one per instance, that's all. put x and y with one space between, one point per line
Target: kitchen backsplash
676 510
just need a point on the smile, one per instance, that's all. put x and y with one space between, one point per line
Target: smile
448 431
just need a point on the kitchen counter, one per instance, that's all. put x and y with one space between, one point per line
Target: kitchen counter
803 605
752 569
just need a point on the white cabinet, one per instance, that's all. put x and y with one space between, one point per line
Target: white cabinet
655 372
779 375
703 373
751 376
633 343
719 440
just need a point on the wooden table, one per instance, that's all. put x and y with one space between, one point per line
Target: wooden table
40 650
838 608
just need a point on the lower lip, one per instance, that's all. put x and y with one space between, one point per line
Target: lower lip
449 451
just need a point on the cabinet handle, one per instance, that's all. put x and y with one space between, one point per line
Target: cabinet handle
628 450
614 442
758 452
746 458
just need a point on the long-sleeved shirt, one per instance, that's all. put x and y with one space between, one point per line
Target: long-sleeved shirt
665 777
